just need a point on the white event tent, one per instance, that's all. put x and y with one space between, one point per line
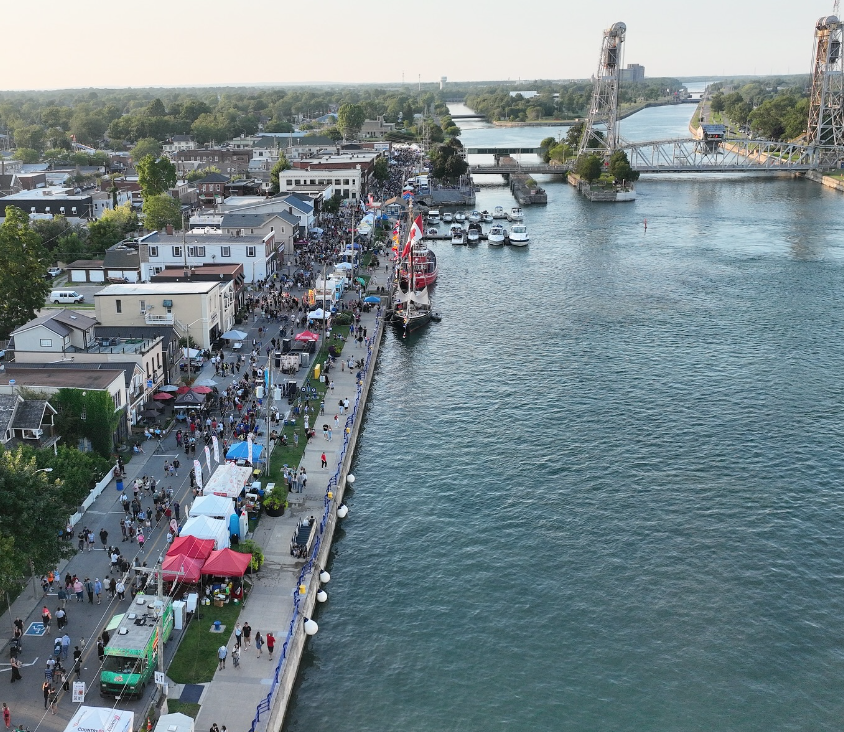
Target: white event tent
204 527
214 506
102 719
228 480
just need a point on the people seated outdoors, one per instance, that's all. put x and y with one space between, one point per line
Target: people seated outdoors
147 433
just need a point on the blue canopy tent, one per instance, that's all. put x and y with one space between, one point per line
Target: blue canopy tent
240 451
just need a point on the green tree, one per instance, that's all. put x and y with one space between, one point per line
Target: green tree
716 104
27 155
162 211
146 146
112 227
350 118
589 167
29 136
282 165
574 134
334 133
86 414
278 126
195 175
545 147
620 168
23 288
210 128
155 176
381 169
332 205
155 108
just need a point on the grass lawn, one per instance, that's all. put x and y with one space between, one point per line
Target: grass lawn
174 706
196 659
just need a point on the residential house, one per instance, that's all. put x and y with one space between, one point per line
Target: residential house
298 206
257 253
201 310
375 128
25 421
52 201
122 263
178 143
211 186
227 161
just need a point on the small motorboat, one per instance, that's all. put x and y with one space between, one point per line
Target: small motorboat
458 236
447 217
495 237
486 217
519 235
433 216
499 213
516 214
473 235
432 232
475 217
460 216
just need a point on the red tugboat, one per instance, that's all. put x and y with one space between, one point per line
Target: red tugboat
424 261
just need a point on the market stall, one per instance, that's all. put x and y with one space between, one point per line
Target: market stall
220 507
228 479
204 527
191 546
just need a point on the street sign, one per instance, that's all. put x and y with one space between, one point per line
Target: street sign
78 692
159 677
149 383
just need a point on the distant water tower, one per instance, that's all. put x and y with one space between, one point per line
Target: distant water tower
443 80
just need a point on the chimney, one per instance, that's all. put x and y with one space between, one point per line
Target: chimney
169 229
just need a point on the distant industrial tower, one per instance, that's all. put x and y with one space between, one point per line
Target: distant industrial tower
825 131
443 81
603 109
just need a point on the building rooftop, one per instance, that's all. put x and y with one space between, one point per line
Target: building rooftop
215 236
30 414
70 376
152 288
59 322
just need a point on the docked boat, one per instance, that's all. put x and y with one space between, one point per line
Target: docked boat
424 260
458 236
473 235
519 235
516 214
499 213
411 305
460 217
434 216
486 217
447 217
475 217
432 231
495 236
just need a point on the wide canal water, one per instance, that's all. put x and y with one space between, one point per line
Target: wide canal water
605 493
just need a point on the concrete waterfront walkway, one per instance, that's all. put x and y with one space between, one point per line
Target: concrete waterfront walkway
234 694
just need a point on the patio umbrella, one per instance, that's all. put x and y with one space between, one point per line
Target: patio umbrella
154 405
372 299
361 280
204 382
234 335
163 396
317 314
202 390
183 390
169 387
343 265
149 413
306 335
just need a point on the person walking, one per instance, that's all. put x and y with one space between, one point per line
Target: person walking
16 669
121 590
7 716
54 698
238 634
46 689
259 643
247 634
98 589
236 656
324 460
89 588
46 619
222 652
270 645
104 533
65 645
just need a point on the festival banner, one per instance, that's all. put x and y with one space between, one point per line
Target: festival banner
216 443
208 458
249 440
197 470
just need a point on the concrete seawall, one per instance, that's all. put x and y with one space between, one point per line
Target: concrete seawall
272 722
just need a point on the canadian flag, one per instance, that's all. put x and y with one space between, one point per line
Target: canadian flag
416 229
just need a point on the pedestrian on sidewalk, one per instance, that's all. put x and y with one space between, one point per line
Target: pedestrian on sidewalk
324 460
65 645
89 588
121 590
270 645
54 698
236 656
79 589
46 619
16 669
7 716
45 689
247 634
98 589
238 634
259 643
222 652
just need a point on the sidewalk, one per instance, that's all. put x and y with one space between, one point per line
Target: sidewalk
269 606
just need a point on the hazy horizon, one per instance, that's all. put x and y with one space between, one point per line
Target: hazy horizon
668 37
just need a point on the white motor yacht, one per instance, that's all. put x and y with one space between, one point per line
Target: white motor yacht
495 236
458 236
499 213
460 216
433 216
516 214
447 217
519 235
475 217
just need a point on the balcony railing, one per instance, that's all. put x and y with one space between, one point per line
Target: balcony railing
159 318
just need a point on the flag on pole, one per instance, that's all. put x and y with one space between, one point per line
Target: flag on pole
414 234
208 458
216 443
197 471
249 440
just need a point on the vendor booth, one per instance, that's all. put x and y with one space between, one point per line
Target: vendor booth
176 722
102 719
227 563
240 451
203 527
220 507
229 479
179 568
191 546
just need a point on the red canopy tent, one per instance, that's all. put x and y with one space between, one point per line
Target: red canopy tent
227 563
307 335
192 547
181 568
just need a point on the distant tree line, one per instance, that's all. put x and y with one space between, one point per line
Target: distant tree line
773 109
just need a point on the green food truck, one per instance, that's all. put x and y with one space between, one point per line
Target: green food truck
131 656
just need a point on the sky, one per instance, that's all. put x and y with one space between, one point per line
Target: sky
92 43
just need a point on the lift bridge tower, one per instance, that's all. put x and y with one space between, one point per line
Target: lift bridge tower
825 131
603 109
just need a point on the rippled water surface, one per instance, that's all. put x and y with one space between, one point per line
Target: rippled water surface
605 492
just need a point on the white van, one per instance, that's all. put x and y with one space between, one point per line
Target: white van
71 296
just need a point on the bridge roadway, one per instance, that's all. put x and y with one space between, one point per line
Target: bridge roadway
688 156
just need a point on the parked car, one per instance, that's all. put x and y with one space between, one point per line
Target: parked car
54 271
